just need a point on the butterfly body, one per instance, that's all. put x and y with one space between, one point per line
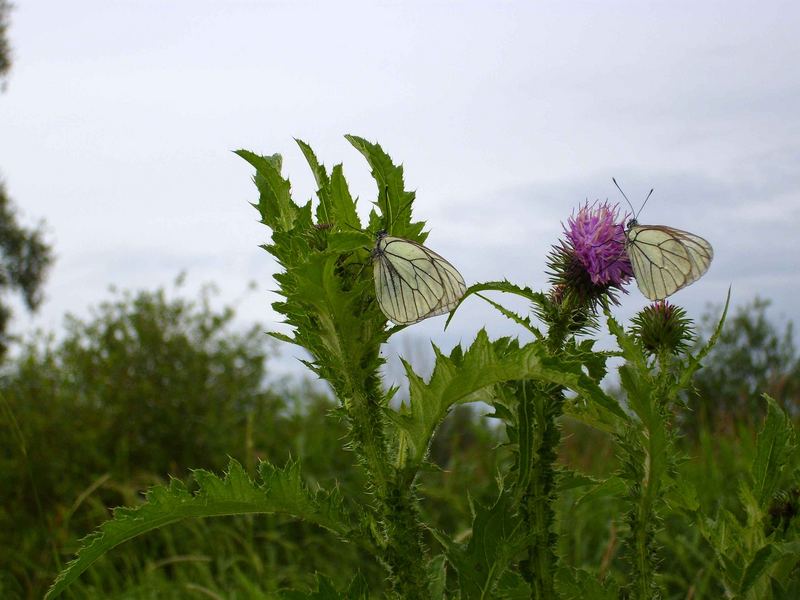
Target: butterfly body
413 282
665 259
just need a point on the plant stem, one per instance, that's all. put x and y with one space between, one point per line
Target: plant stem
642 533
405 553
396 507
656 436
539 436
368 439
539 439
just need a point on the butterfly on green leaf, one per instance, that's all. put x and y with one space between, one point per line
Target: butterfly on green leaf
413 282
664 259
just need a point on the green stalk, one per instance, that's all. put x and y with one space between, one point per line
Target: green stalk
396 508
539 408
644 571
368 439
539 439
656 427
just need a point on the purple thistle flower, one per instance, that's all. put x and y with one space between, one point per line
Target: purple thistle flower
596 237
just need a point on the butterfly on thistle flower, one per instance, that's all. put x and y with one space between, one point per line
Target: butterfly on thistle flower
664 259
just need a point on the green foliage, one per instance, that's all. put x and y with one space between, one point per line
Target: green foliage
5 47
25 258
278 491
148 385
470 377
497 538
149 372
576 494
537 300
652 377
755 557
330 305
751 357
578 584
357 590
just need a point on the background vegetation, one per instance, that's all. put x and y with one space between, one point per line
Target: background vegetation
154 383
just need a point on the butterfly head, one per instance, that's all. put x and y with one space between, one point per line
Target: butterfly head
377 250
631 224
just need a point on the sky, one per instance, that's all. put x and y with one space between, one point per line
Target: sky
119 118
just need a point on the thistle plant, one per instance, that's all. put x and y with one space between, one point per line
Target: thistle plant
328 301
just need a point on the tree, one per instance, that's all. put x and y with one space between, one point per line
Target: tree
24 261
24 256
753 356
147 386
5 47
162 385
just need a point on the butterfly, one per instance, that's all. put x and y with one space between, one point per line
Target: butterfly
664 259
412 282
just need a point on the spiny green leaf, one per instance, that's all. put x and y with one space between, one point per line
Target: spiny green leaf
394 201
344 206
469 377
282 337
762 560
612 486
639 389
773 447
280 491
724 533
342 242
336 206
357 590
635 374
497 537
512 586
437 576
593 360
570 479
786 590
537 298
520 320
683 495
324 209
275 204
694 362
579 584
631 351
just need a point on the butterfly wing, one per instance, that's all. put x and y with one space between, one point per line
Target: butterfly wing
413 282
665 259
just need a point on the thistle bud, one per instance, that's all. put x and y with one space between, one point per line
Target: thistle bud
663 327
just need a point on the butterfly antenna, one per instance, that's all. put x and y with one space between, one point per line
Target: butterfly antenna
645 202
633 210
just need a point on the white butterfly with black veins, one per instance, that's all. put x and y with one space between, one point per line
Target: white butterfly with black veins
412 282
664 259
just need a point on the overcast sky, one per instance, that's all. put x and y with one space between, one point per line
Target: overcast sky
119 119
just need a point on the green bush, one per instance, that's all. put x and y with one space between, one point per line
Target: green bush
153 384
147 386
752 356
